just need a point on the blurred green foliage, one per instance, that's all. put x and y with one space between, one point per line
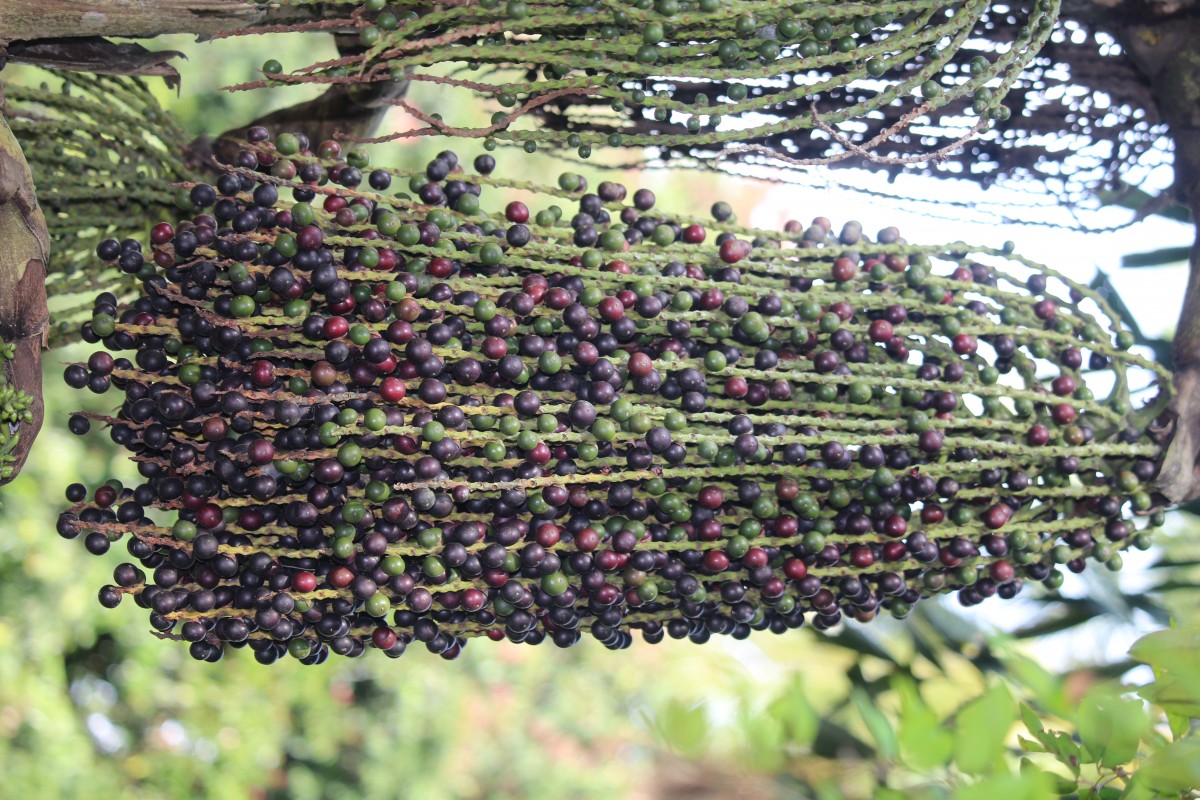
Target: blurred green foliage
91 701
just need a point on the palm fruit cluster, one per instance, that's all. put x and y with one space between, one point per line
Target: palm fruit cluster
103 154
369 409
666 74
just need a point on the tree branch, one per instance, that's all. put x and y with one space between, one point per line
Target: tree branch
42 19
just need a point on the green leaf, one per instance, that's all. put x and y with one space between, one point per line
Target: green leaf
1057 783
793 711
881 731
1170 771
762 742
1169 649
684 727
1111 727
1028 785
924 741
1179 724
1031 745
1046 689
829 790
1056 743
983 726
1175 656
1175 695
1156 258
1032 721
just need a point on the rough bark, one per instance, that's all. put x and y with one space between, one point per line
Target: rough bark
1167 50
44 19
24 246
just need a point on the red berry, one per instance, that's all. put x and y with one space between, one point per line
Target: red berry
755 557
343 306
261 451
1002 572
947 558
335 328
736 387
640 365
105 496
263 373
996 516
709 530
931 441
844 269
1063 385
310 237
711 298
716 561
897 349
340 577
392 389
795 569
1038 435
861 557
304 582
880 330
734 250
711 497
473 600
516 211
209 516
548 534
535 286
895 526
965 344
399 332
611 309
694 234
495 347
161 233
384 638
773 588
440 267
558 298
1063 414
